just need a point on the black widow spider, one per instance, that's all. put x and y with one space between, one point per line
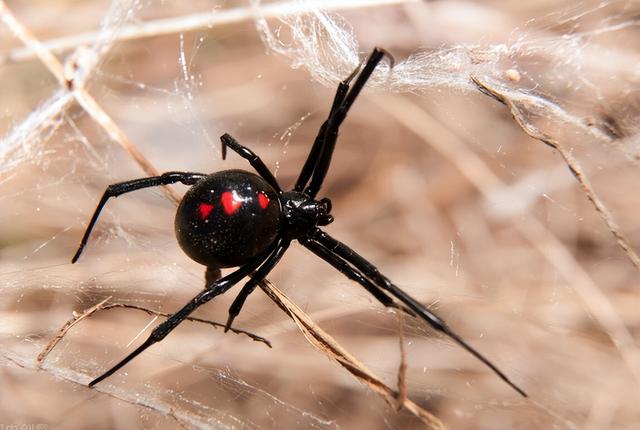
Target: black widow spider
235 218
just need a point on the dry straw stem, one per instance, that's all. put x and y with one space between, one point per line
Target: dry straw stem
518 109
325 344
453 148
64 329
194 21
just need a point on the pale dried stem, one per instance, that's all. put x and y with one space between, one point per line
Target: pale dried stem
450 146
31 43
194 22
116 133
518 111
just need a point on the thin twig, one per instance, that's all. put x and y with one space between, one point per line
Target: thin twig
64 329
102 306
518 110
328 346
255 337
193 22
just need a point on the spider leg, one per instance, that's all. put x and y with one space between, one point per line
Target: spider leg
347 270
162 330
251 285
370 271
312 158
337 116
250 156
114 190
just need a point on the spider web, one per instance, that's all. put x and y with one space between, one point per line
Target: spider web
490 173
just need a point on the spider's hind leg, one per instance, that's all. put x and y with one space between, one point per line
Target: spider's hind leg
369 272
115 190
351 273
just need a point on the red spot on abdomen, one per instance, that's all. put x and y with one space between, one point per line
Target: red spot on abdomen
263 200
205 210
230 203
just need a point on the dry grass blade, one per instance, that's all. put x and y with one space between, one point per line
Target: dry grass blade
328 346
518 111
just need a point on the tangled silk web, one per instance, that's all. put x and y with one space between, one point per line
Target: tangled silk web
569 78
327 48
325 45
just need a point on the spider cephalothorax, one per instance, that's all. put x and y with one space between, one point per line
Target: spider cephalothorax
236 218
302 214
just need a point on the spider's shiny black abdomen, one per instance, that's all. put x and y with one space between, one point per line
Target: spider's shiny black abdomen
228 218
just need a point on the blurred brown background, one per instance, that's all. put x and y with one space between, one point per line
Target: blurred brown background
441 189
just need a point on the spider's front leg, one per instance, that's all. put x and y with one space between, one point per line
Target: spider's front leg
319 158
318 143
251 157
115 190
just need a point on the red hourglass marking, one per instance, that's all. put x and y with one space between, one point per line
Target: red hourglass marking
230 203
205 210
263 200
